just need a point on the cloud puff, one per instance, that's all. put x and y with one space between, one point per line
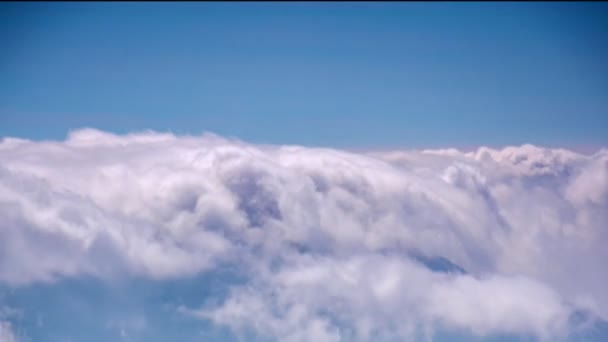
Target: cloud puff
374 297
6 332
334 245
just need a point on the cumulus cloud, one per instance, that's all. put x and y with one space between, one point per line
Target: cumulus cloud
334 245
376 297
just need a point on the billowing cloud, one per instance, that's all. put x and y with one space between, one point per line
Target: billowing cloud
333 245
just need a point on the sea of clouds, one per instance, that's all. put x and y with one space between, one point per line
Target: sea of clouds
331 245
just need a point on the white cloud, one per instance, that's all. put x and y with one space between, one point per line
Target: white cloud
376 297
326 238
6 332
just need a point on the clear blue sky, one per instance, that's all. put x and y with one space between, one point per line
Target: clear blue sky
341 74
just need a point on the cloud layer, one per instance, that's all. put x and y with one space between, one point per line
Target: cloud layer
333 245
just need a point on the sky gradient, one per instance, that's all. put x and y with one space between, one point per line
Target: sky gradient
350 75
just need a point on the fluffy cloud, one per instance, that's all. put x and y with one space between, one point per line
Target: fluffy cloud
334 245
373 297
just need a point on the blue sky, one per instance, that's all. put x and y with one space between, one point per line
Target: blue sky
344 74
